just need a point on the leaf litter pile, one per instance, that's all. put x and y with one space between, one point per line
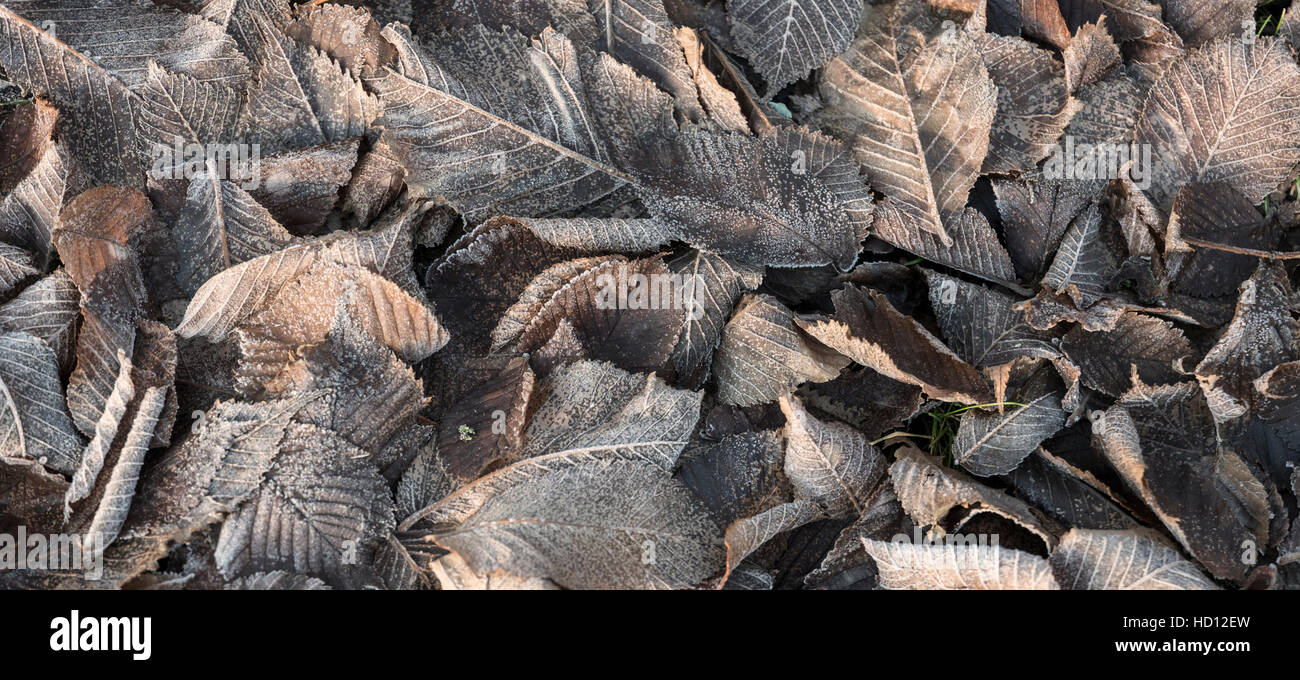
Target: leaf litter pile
471 294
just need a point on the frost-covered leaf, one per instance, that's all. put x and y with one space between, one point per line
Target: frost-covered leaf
1083 266
934 495
983 325
1034 104
1153 348
1068 494
605 234
990 444
494 413
230 298
1091 55
92 459
347 34
1163 442
629 313
951 566
48 309
785 39
583 519
595 407
868 330
1203 21
1035 216
713 284
121 484
219 227
1122 560
88 69
532 150
1225 112
640 34
829 463
793 198
1262 335
764 355
34 423
916 110
318 509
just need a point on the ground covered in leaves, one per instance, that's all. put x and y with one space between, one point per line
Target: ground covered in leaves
753 294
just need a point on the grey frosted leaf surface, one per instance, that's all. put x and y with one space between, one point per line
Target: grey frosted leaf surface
583 519
1123 560
948 566
210 473
989 444
88 71
829 463
1066 493
1203 21
793 198
510 143
1083 266
748 534
1108 109
48 310
628 313
605 234
1035 216
121 485
974 249
1261 335
1163 443
738 476
1091 55
597 407
16 266
1034 104
1239 134
326 505
785 39
640 34
867 329
219 227
982 324
714 285
34 422
916 110
930 492
29 213
176 107
764 355
105 432
1152 347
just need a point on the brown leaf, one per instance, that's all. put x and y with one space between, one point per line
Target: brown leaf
867 329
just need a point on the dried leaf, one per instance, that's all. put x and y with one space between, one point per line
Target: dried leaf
989 444
34 423
594 407
583 519
763 355
982 325
785 39
867 329
829 463
917 117
948 566
1034 103
1163 442
1225 112
1263 334
1122 560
